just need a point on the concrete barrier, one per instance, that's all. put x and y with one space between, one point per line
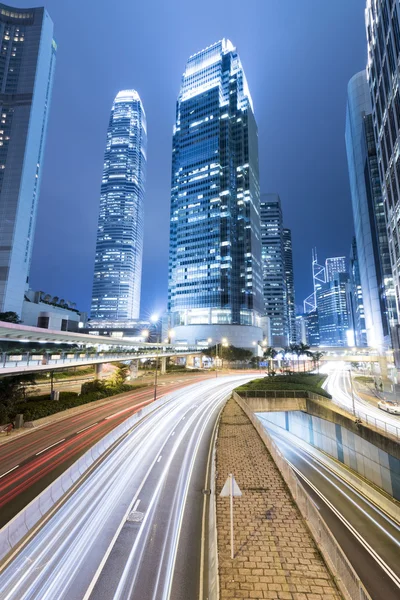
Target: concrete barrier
12 533
346 577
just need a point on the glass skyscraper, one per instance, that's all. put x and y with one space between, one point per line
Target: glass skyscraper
289 277
273 265
215 247
119 247
27 62
374 266
383 73
333 311
333 266
356 302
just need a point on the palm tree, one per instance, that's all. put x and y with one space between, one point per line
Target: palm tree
303 349
294 349
270 353
316 357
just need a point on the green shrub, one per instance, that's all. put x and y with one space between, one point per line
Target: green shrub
40 406
301 381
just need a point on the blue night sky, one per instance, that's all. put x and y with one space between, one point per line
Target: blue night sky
298 58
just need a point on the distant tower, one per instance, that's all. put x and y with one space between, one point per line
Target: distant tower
27 63
119 248
333 266
319 278
289 277
274 267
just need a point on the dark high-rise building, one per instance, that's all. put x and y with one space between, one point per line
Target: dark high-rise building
215 279
375 272
274 265
356 302
333 312
289 278
119 247
312 327
27 63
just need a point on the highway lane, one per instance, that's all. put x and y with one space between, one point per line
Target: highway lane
154 478
29 463
371 540
339 386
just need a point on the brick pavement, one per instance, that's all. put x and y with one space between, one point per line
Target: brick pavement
275 555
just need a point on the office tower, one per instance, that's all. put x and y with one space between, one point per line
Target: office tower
312 327
319 278
274 266
335 265
383 36
289 278
301 329
119 247
369 216
27 62
333 311
356 302
215 280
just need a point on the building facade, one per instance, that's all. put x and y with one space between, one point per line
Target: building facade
215 279
356 301
51 312
273 268
335 265
119 246
383 73
312 327
27 63
333 312
289 278
369 216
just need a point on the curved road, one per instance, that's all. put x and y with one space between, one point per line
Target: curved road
369 538
133 528
30 462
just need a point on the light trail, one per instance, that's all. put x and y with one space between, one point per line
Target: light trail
74 548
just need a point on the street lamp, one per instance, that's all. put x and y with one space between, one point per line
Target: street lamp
224 342
154 319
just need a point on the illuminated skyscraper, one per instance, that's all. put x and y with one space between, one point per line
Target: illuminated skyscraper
383 72
289 278
375 272
119 248
27 62
215 281
273 265
335 265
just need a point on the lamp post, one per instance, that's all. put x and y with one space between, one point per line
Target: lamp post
352 393
224 342
154 319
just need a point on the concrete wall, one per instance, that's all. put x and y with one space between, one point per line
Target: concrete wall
373 463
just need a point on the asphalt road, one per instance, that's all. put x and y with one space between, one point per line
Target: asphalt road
132 530
339 386
369 538
30 462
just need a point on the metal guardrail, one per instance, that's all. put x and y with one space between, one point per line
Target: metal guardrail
346 577
365 419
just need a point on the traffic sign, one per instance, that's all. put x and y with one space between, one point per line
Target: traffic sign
228 491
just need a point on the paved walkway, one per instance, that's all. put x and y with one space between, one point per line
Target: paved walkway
275 555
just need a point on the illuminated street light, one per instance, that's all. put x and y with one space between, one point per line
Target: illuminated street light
145 333
154 318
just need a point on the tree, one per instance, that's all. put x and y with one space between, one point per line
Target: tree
316 357
10 317
303 350
230 353
12 391
270 353
120 374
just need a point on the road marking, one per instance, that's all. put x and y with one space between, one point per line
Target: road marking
136 505
173 433
350 527
48 447
88 427
9 471
159 458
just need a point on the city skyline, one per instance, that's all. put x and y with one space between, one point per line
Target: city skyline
154 288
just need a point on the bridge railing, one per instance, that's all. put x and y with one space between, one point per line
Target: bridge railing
26 359
347 579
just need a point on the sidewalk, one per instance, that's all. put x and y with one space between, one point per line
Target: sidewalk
275 555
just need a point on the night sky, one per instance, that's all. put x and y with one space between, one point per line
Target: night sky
298 58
